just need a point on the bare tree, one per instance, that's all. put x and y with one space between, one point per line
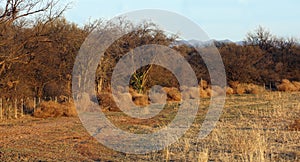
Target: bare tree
137 35
260 37
15 20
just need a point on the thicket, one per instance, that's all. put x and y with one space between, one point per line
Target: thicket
38 47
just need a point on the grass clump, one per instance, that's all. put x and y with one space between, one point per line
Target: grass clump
47 109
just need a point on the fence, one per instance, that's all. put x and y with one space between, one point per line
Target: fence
13 108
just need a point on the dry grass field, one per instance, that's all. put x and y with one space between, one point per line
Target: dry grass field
262 127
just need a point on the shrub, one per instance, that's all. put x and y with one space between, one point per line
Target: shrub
133 92
140 99
208 92
237 89
297 85
107 103
286 86
253 89
203 84
229 91
286 81
240 90
48 109
173 94
234 84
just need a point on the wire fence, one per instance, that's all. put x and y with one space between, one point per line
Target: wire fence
13 108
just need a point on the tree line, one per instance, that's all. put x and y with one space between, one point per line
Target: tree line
38 47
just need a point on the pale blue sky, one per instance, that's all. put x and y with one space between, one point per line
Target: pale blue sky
221 19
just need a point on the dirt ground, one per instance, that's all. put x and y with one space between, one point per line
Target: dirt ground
251 128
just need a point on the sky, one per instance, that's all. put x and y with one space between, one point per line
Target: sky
220 19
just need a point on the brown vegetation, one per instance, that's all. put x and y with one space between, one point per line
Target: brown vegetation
203 84
243 88
140 99
48 109
251 128
173 94
37 52
297 85
229 91
288 86
51 76
106 102
295 126
29 106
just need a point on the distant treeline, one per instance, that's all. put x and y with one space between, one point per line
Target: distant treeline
38 49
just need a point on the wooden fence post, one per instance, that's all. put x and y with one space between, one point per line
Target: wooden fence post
279 94
16 108
1 109
28 102
201 83
22 108
8 109
34 104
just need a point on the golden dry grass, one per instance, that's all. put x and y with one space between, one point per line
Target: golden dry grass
48 109
229 91
251 128
288 86
205 93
